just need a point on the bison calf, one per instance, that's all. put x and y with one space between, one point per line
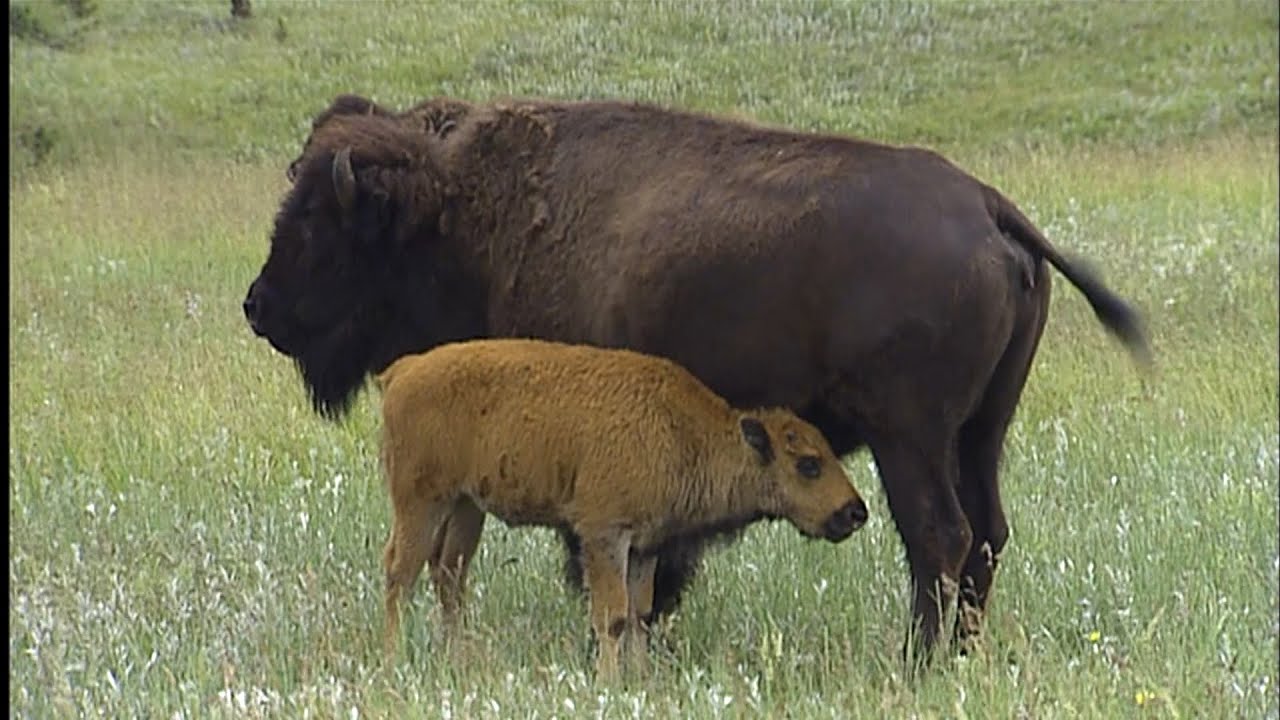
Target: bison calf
628 451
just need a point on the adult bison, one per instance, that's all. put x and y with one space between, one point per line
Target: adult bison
885 295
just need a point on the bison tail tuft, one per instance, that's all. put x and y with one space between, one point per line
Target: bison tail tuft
1120 318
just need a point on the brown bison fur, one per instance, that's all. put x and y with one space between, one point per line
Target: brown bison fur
436 117
880 292
629 452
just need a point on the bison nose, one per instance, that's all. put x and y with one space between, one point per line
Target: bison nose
251 309
844 521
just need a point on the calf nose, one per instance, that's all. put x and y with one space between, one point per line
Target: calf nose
857 513
844 521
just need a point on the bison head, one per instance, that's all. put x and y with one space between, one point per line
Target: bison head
807 485
341 105
358 273
435 116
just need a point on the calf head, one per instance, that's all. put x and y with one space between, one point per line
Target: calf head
357 274
805 482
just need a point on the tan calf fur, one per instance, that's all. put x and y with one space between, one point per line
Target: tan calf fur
628 451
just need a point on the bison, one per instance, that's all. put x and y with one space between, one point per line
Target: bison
629 452
880 292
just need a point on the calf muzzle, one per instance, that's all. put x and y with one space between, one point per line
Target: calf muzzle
844 521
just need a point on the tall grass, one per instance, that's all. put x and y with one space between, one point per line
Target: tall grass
186 80
187 539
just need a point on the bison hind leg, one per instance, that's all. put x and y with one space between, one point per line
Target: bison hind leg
919 477
981 444
460 537
416 537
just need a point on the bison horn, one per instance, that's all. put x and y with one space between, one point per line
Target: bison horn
344 179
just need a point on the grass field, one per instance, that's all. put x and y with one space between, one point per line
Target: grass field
188 540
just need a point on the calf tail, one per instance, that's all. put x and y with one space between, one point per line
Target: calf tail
384 458
1121 319
384 378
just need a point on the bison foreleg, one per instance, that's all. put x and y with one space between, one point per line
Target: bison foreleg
676 567
605 559
640 599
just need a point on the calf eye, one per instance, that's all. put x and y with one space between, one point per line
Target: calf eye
809 466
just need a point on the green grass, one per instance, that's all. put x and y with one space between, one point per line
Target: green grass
184 79
187 539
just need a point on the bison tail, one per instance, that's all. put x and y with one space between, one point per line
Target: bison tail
1121 319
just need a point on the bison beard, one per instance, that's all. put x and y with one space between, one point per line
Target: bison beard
881 293
329 375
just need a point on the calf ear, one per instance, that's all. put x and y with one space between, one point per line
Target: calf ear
758 438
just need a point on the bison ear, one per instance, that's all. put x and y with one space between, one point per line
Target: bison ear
758 438
344 180
349 104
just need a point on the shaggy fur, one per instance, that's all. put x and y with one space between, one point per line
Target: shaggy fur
880 292
628 452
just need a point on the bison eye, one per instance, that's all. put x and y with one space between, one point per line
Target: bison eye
809 466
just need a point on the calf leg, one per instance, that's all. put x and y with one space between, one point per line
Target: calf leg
675 569
919 480
462 530
605 565
640 572
416 535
